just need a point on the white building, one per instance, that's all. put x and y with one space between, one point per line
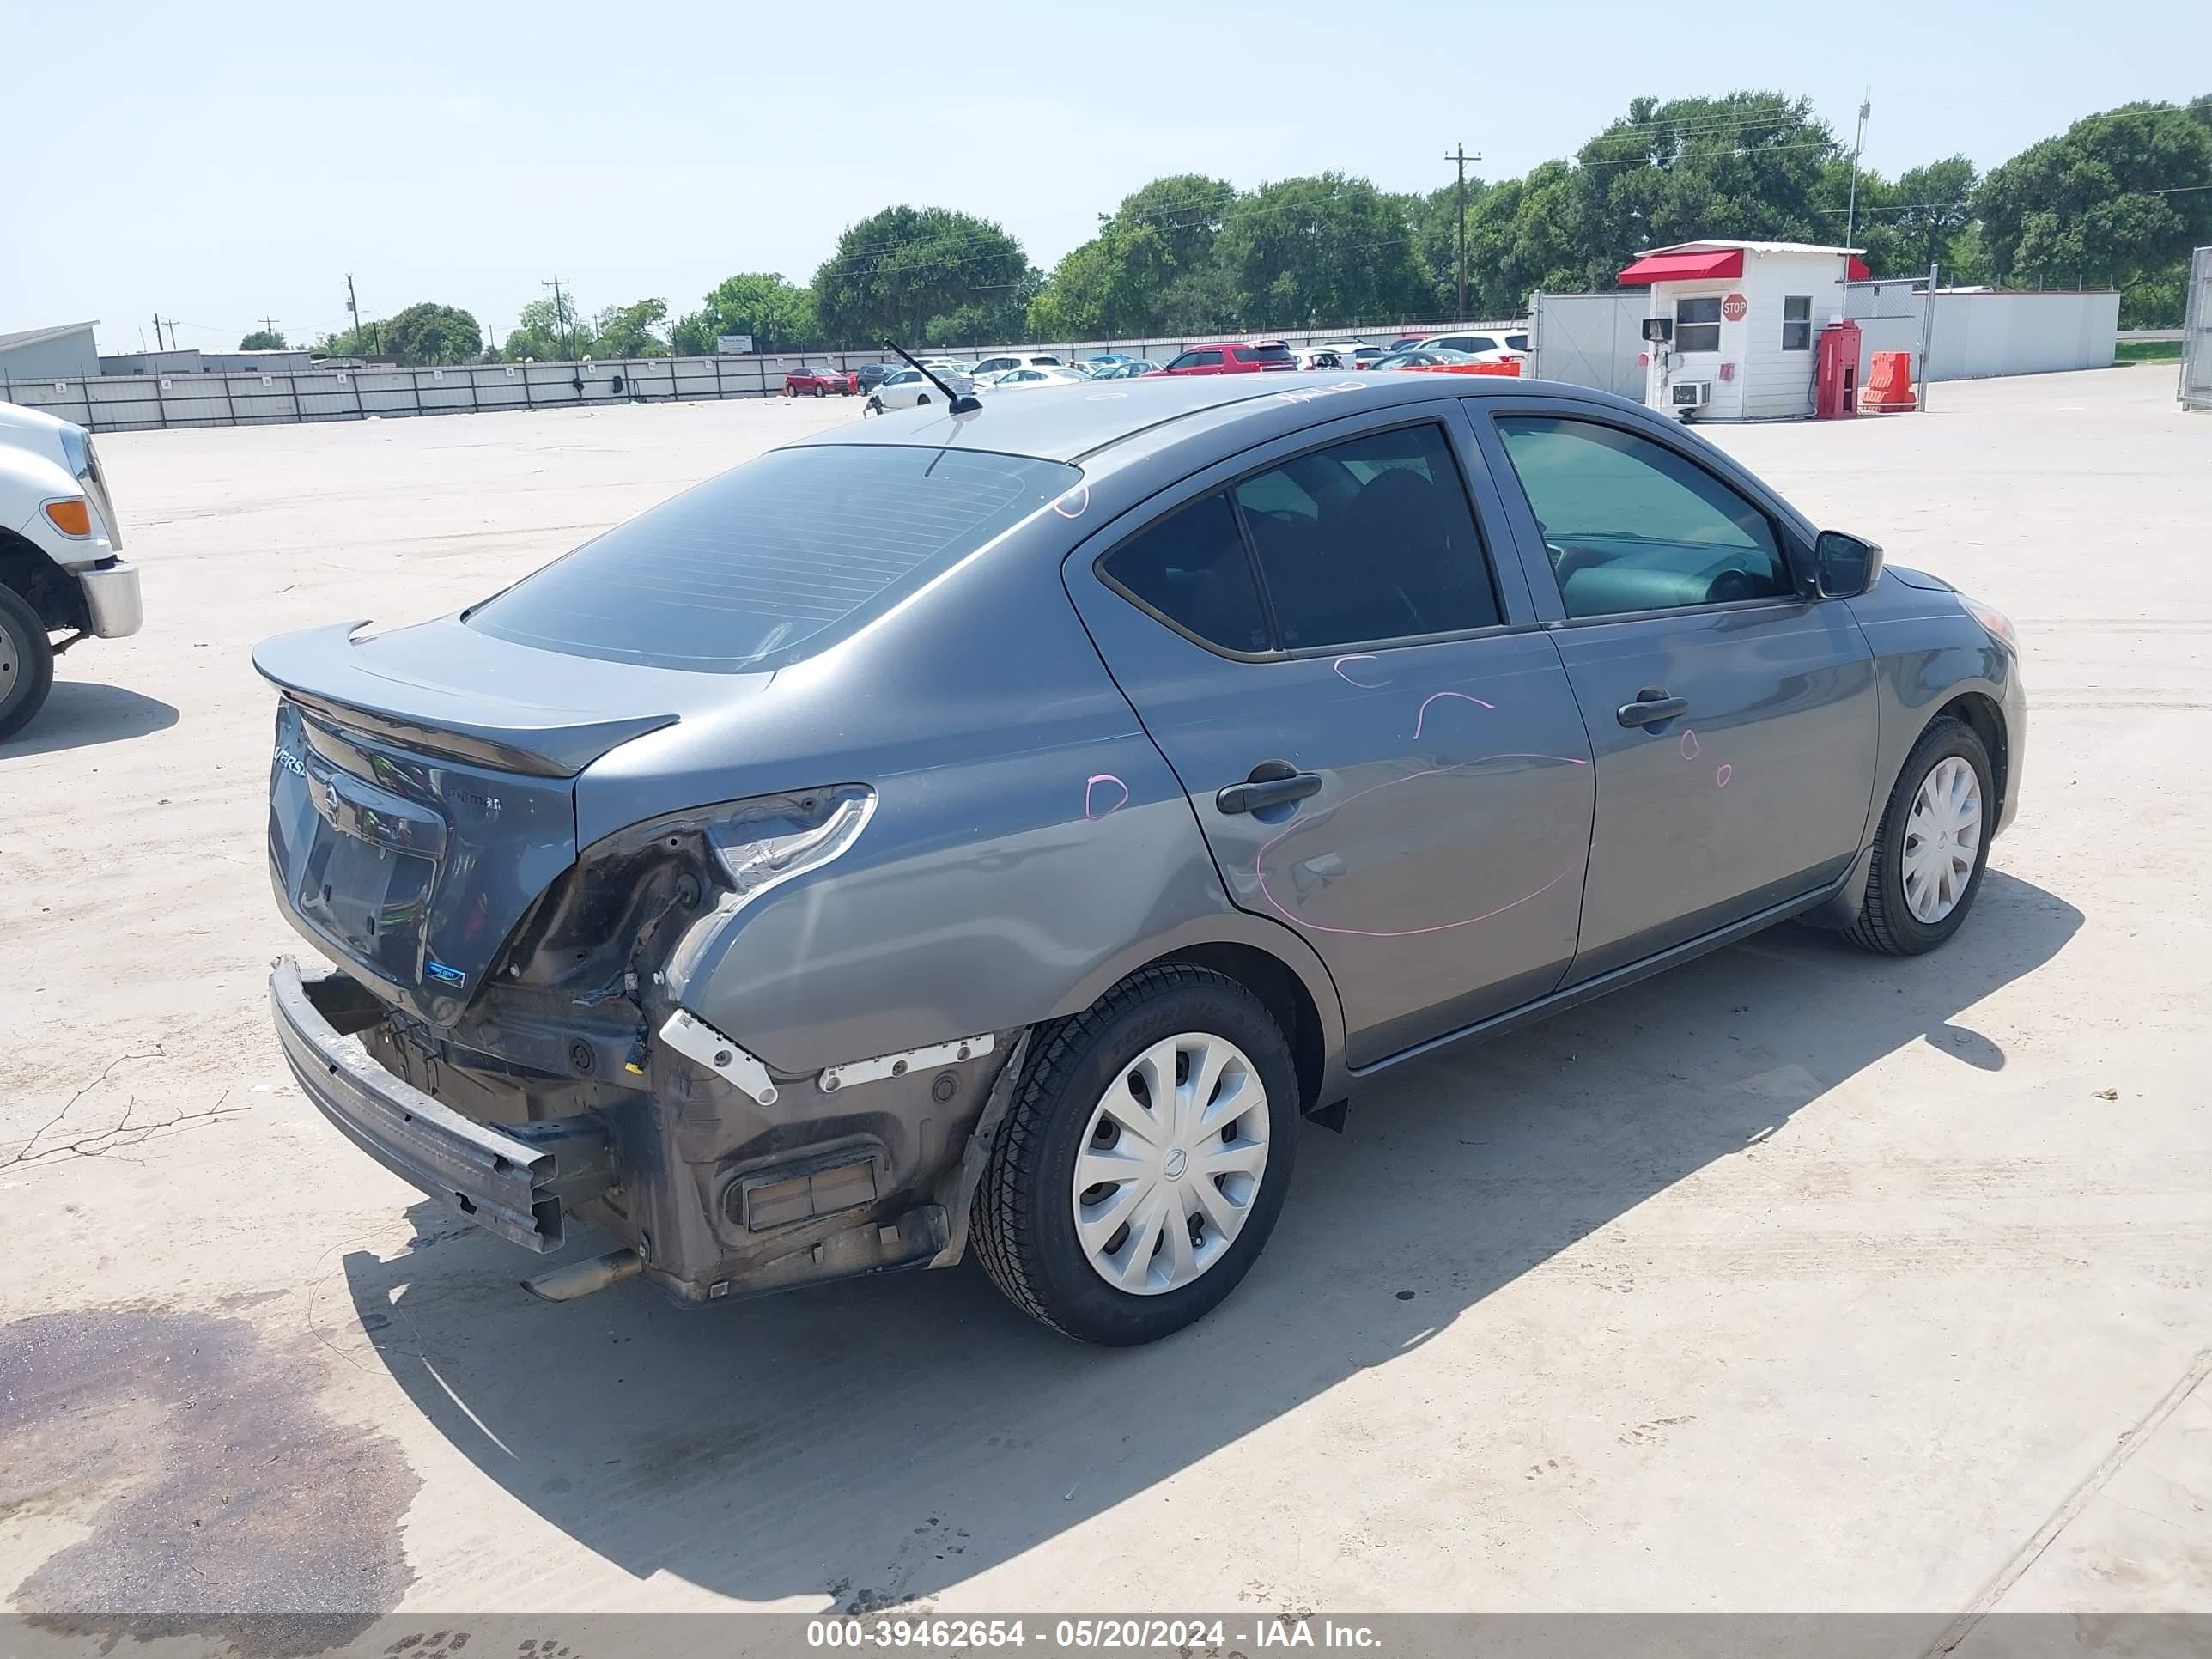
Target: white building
1745 316
65 352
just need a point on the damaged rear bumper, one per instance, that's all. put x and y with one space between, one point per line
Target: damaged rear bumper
515 1180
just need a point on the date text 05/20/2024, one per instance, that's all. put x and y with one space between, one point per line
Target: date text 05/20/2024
1091 1635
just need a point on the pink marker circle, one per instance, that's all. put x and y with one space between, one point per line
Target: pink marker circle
1721 777
1689 746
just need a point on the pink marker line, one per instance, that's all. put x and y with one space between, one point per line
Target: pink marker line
1091 790
1358 656
1260 860
1422 713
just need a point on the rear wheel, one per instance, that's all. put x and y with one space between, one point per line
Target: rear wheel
26 663
789 389
1144 1161
920 398
820 390
1932 846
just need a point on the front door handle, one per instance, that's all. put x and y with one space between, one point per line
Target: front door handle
1652 706
1271 783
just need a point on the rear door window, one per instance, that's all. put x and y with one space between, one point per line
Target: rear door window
1263 354
1368 540
1190 569
775 560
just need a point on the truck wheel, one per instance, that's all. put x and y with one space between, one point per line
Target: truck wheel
27 663
1934 842
1144 1160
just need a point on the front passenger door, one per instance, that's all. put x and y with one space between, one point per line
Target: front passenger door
1732 715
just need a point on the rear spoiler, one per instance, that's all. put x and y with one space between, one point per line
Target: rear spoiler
328 672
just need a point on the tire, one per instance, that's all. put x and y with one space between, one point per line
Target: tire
1886 921
921 399
789 389
1027 1207
875 406
821 391
27 663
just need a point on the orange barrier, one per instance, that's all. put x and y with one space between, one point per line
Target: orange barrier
1512 368
1889 387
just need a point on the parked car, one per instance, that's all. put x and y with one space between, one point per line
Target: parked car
59 569
1019 880
1023 380
909 388
1231 358
1353 354
869 376
820 383
1316 357
1127 369
1004 361
1435 359
1484 348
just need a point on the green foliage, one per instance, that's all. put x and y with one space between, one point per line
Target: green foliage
778 315
2105 203
365 340
895 271
431 333
263 340
1149 269
627 330
1318 250
547 331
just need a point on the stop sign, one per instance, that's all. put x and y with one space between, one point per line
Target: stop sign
1734 307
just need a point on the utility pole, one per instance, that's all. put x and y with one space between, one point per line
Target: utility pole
157 330
561 315
1852 213
353 308
269 326
1459 155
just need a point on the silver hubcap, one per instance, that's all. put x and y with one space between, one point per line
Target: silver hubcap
1171 1163
9 653
1942 838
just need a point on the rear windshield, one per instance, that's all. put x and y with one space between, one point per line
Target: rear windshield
1263 354
775 560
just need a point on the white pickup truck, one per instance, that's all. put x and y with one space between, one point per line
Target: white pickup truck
59 572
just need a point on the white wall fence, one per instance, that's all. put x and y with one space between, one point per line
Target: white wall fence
2195 384
123 403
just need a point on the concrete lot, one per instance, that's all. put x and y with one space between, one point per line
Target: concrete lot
1796 1280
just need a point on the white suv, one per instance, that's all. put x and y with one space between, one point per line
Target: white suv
1483 346
1005 361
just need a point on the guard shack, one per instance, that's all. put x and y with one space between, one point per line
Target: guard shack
1734 325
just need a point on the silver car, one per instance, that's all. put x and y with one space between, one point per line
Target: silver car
998 831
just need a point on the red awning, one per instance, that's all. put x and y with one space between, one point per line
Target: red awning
1858 271
1684 267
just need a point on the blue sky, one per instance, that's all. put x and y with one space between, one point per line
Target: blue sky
224 162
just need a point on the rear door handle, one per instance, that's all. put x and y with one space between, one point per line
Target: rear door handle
1652 707
1272 783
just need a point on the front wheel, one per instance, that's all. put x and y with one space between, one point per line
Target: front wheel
1932 846
821 391
875 406
1144 1160
790 391
27 663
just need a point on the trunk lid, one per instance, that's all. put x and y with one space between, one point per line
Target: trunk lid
422 793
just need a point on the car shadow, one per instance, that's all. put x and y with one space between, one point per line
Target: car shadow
875 1441
80 714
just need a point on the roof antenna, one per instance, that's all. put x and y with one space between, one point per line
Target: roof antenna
955 404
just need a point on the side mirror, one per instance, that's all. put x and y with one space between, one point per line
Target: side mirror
1844 565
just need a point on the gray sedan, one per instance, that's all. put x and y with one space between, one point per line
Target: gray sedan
998 831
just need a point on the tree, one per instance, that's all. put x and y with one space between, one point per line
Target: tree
431 333
627 330
2107 202
1750 164
548 331
1320 250
895 269
363 340
263 340
779 316
1143 269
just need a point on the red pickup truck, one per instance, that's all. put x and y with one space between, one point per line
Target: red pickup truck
1229 357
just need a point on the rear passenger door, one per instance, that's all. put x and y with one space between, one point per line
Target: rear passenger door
1195 362
1733 713
1381 746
